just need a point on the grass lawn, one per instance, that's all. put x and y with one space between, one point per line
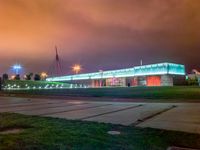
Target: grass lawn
176 92
59 134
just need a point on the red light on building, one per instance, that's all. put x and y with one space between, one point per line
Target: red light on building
134 82
153 80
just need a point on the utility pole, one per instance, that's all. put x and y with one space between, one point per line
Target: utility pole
58 64
56 67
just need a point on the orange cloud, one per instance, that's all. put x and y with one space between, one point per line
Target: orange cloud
85 29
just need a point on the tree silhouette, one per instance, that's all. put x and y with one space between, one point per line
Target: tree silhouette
37 77
5 77
17 77
29 76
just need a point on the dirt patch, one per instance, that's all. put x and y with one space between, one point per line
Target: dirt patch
12 131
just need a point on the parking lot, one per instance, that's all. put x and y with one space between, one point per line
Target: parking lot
171 116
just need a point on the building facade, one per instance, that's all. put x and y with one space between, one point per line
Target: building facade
161 74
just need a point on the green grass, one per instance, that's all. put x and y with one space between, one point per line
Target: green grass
59 134
172 93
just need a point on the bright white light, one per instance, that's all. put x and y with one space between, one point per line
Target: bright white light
17 68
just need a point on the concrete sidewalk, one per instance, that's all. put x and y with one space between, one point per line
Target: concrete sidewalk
170 116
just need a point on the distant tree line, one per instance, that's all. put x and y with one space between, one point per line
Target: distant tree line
30 76
193 81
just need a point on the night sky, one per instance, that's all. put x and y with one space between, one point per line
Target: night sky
99 34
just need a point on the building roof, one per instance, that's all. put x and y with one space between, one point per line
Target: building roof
152 69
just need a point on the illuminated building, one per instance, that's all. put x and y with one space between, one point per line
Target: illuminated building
195 75
161 74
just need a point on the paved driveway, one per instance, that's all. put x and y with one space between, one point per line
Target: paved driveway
171 116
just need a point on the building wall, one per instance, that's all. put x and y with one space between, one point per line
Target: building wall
116 82
157 80
166 80
142 81
98 83
134 81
